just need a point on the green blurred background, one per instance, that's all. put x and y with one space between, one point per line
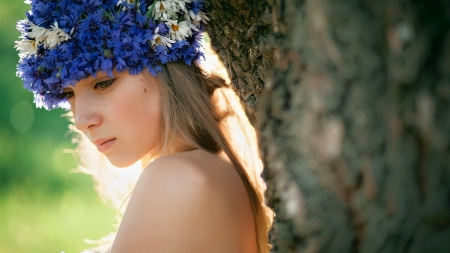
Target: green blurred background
45 205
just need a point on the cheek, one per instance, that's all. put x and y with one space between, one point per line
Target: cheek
140 120
135 103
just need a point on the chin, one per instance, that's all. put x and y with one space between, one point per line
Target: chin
121 162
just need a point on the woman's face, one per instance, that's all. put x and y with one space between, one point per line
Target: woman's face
120 115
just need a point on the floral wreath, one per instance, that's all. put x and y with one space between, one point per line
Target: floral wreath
68 40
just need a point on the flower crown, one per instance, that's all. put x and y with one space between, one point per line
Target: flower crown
68 40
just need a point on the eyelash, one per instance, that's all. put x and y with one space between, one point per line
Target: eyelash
68 95
105 84
100 85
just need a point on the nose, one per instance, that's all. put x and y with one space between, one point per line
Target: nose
85 113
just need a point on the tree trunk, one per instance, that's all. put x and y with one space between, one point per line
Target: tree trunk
239 31
354 118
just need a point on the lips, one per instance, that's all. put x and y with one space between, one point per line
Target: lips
104 144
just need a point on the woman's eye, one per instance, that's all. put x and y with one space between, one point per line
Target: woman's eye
68 94
104 84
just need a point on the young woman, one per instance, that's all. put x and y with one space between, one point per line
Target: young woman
128 71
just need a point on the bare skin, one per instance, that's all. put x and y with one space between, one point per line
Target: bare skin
188 202
119 114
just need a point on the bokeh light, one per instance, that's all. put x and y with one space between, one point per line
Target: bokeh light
22 116
44 206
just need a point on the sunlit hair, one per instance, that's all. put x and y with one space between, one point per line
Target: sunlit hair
199 111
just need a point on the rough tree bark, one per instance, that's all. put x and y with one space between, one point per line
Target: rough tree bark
239 33
353 115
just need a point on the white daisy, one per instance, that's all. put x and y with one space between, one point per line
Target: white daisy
169 9
196 18
124 1
181 4
26 47
180 31
54 36
37 33
128 2
37 36
158 39
165 10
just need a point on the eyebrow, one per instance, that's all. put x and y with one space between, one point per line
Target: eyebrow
101 76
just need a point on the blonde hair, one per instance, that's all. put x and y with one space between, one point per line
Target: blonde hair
199 111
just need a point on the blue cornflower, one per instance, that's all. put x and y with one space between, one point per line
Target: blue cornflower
68 40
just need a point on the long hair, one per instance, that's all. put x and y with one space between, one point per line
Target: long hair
193 116
199 111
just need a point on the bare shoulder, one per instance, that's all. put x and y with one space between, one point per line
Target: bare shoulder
192 167
179 202
196 172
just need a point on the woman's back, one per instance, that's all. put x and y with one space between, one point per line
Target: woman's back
188 202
